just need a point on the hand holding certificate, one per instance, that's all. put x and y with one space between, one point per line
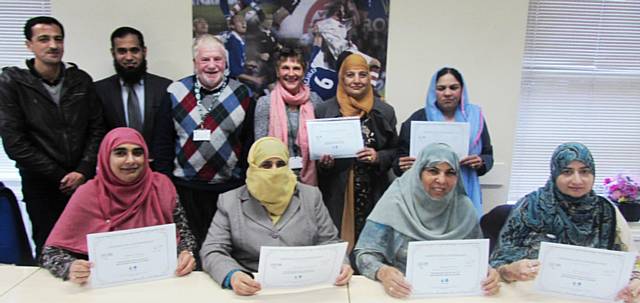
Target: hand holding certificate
134 255
447 268
589 273
338 137
281 267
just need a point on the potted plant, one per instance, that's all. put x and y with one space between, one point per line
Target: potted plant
623 191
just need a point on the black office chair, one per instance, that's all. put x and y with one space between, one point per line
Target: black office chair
14 243
491 223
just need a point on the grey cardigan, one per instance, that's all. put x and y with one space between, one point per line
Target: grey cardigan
263 107
242 225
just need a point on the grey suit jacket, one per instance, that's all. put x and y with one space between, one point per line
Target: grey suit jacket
109 93
242 225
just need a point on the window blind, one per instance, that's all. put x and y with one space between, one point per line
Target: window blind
580 82
13 15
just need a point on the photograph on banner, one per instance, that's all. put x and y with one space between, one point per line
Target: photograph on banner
325 31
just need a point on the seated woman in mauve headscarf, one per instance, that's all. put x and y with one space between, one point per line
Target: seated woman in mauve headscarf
567 211
428 202
272 209
125 194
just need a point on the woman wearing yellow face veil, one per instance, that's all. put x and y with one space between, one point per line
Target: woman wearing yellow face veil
272 209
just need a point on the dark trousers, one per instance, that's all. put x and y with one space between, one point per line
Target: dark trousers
199 206
45 203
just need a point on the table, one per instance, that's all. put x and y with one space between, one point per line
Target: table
30 284
195 287
10 276
363 290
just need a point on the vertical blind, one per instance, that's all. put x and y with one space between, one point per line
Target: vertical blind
580 82
13 15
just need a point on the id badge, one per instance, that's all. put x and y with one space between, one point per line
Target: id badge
295 162
201 135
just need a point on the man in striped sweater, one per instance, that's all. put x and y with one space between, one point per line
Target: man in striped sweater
203 134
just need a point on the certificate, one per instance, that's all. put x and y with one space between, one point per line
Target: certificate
454 134
134 255
301 266
588 273
447 268
338 137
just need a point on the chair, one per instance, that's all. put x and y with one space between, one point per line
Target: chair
491 223
14 244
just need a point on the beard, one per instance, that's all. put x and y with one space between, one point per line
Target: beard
131 75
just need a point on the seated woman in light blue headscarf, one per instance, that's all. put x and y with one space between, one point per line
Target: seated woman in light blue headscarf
566 210
428 202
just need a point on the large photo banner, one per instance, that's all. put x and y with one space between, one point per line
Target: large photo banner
324 30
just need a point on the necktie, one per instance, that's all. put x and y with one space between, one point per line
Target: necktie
133 109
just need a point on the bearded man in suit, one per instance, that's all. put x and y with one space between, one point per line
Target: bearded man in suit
132 96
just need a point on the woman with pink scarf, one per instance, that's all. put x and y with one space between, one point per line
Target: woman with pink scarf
284 111
124 194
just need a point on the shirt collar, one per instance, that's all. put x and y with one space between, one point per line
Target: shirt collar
139 83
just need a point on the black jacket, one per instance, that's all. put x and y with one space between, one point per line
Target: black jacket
332 181
48 140
420 115
110 94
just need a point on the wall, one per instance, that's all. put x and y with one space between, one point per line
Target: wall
165 24
483 39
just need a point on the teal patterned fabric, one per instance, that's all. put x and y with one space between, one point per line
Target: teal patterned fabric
549 215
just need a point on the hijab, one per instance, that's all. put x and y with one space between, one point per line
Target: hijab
466 112
278 125
349 105
272 187
410 210
107 203
586 221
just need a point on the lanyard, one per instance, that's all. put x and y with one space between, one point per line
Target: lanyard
202 110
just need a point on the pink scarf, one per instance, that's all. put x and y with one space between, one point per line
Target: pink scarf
278 126
105 203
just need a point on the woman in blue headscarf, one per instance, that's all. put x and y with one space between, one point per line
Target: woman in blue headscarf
428 202
447 101
566 210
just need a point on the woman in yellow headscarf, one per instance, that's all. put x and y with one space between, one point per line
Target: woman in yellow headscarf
272 209
352 186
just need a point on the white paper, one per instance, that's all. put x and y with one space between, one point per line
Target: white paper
134 255
295 162
448 267
300 266
338 137
201 135
588 273
454 134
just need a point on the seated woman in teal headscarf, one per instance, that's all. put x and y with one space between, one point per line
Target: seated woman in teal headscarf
566 210
427 202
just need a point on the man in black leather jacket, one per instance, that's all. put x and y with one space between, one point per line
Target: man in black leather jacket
51 124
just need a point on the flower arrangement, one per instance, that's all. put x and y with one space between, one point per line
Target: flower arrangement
621 189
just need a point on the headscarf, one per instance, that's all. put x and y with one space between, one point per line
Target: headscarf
350 106
278 125
466 112
586 221
106 203
273 187
410 210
